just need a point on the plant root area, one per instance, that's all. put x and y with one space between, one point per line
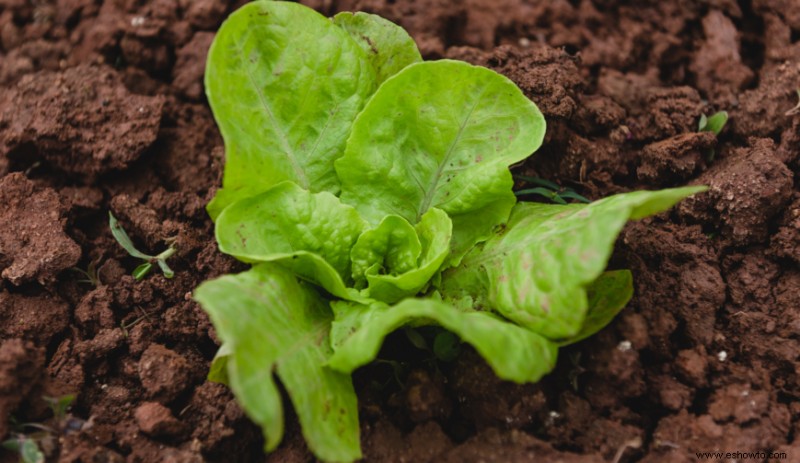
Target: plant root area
102 109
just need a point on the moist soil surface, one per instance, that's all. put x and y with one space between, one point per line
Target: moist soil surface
102 109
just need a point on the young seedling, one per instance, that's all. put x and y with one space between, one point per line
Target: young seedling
715 123
399 371
399 213
127 326
26 447
144 268
796 109
28 436
549 190
446 345
91 274
60 405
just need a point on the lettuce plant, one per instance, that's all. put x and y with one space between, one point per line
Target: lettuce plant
371 191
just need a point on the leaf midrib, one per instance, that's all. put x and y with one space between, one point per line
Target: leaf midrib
428 198
290 154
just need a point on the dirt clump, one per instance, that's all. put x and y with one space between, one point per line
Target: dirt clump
80 121
33 245
21 373
156 420
717 63
37 318
675 159
163 372
746 190
514 446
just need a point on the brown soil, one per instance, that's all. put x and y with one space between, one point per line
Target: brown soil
101 108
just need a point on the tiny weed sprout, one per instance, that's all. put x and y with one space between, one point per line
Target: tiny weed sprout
27 437
60 405
445 346
370 191
127 326
26 447
549 190
144 268
714 124
91 274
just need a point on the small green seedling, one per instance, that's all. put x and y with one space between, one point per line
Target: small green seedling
371 191
60 405
127 326
715 123
26 447
91 274
446 345
28 436
399 371
144 268
796 109
549 190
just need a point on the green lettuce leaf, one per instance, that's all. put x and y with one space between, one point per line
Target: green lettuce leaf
271 322
312 233
396 260
388 46
607 295
218 372
392 247
434 231
284 84
437 134
514 353
478 226
536 270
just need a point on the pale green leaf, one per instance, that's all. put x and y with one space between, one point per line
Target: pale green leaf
30 452
123 239
715 123
313 268
607 296
514 353
392 247
142 270
218 372
162 264
478 226
388 46
437 134
311 233
434 231
535 271
27 449
284 84
274 323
